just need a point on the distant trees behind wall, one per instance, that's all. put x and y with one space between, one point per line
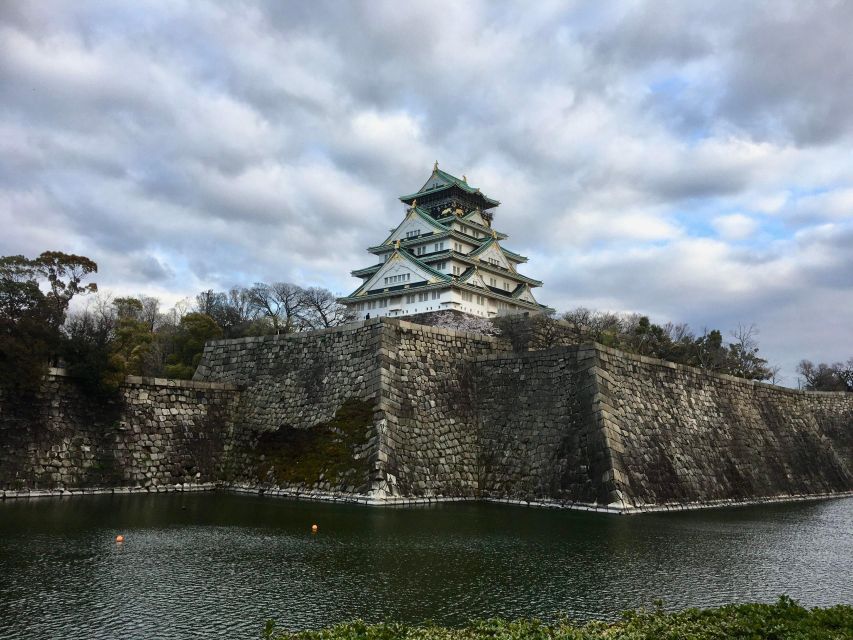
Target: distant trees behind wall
827 377
111 337
142 340
736 353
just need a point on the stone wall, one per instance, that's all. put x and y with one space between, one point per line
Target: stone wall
422 440
386 409
595 425
293 387
540 439
430 440
678 434
153 433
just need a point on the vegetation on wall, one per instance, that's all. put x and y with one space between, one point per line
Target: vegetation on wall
322 453
785 619
738 355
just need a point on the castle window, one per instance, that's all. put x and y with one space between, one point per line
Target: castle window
410 298
436 295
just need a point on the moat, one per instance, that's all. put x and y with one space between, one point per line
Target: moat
219 564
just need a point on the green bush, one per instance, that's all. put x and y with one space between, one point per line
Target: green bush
784 620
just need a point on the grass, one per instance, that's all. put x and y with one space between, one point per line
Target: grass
784 620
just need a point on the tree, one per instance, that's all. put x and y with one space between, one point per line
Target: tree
87 347
675 342
30 319
743 358
65 273
826 377
281 303
321 309
134 341
194 331
233 311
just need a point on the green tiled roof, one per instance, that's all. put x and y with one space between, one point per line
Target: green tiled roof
366 270
515 256
424 265
453 181
483 247
487 230
506 252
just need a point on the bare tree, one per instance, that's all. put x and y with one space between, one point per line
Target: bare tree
743 354
281 303
150 311
321 309
774 376
825 377
207 302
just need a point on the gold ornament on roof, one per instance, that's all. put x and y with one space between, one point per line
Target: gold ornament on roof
494 234
435 166
464 179
414 203
397 243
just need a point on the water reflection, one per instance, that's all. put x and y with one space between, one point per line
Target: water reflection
212 565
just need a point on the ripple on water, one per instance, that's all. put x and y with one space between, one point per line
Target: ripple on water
214 565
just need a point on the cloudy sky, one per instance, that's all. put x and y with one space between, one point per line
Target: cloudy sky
687 160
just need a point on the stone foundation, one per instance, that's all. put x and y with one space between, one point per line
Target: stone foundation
390 412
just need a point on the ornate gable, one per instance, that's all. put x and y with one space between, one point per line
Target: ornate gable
436 180
415 223
404 269
525 294
473 277
476 217
491 252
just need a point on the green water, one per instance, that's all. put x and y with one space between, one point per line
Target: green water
218 565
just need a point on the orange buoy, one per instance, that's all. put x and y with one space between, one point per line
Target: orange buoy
119 538
314 528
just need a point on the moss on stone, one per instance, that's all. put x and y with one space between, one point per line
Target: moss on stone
322 454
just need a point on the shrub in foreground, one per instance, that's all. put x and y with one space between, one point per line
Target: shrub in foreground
784 620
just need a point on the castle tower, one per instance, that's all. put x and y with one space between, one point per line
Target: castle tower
444 255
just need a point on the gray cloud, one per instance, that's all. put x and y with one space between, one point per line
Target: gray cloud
685 159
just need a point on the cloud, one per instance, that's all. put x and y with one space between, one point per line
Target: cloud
685 159
735 226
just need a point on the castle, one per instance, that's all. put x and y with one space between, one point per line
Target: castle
387 411
444 255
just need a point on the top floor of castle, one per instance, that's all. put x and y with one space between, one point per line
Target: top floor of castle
445 254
